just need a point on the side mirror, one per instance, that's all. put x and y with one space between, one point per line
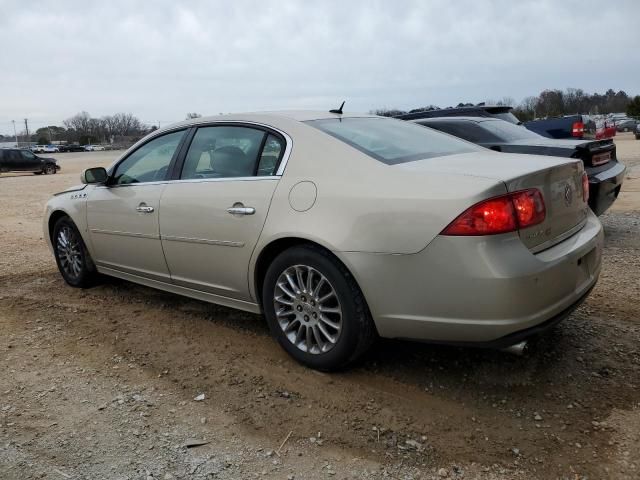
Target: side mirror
94 175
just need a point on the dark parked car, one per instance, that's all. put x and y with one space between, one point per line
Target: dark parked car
637 132
492 111
571 126
627 125
599 156
74 148
23 160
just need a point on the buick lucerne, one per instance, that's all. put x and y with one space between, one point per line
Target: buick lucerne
338 228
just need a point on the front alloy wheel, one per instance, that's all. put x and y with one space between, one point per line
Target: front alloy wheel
49 169
69 251
72 257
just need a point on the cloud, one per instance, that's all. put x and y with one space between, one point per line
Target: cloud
162 59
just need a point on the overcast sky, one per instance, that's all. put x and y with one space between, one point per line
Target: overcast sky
162 59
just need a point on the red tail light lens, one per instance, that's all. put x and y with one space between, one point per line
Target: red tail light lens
577 129
503 214
585 187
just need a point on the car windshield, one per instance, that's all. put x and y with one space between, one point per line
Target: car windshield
392 141
509 132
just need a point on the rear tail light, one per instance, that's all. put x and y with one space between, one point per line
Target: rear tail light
577 129
503 214
585 187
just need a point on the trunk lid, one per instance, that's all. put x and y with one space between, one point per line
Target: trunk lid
559 180
596 152
566 210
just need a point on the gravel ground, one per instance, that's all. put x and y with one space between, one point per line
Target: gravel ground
124 382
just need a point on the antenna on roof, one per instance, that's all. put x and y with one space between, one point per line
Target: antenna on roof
338 111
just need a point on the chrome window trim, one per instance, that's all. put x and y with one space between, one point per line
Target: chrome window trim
158 133
193 180
287 149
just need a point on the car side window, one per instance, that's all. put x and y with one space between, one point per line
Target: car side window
150 162
270 156
223 152
27 155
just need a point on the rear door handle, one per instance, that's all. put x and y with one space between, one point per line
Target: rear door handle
237 210
144 208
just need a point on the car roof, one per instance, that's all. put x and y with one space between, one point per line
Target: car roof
297 115
457 119
487 110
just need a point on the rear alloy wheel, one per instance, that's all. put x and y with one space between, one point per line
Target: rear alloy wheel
49 169
72 257
315 309
308 309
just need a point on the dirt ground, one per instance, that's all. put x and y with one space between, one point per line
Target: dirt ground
101 383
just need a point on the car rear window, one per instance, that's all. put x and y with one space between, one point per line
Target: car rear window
392 141
508 132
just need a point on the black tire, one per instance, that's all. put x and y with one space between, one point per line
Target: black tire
49 169
358 330
85 274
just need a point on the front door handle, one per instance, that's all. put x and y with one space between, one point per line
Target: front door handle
144 208
241 210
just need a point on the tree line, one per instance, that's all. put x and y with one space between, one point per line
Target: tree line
552 103
84 129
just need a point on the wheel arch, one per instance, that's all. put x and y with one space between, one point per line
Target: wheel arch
53 218
274 248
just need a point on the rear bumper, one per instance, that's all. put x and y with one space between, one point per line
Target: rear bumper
478 290
604 187
519 336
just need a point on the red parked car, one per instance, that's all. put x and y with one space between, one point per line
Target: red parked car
605 129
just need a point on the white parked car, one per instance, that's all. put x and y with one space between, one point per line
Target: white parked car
338 228
94 148
45 149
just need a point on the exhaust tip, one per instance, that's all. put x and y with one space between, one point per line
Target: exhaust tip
517 348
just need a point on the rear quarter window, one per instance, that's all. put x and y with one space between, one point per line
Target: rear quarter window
392 141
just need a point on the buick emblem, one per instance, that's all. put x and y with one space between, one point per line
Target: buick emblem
568 195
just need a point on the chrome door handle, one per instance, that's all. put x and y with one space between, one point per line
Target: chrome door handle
144 208
241 210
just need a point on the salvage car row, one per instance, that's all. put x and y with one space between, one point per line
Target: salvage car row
66 148
341 228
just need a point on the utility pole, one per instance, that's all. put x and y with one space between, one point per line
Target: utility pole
15 134
26 126
50 138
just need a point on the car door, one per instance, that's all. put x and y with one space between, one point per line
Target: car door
212 215
28 162
122 215
9 160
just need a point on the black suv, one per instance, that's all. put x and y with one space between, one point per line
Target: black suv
23 160
495 111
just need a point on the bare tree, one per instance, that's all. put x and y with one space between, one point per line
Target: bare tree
110 125
79 124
